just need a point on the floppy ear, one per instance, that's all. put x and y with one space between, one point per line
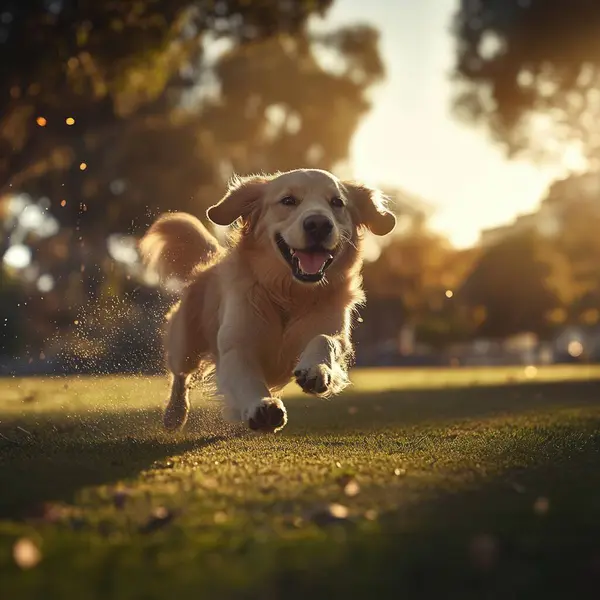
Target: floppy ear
243 192
370 206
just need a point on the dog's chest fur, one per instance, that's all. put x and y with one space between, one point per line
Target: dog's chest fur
284 333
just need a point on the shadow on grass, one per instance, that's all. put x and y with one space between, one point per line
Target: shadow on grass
407 408
526 531
529 528
50 457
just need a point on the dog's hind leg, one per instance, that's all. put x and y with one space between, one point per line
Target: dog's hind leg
184 352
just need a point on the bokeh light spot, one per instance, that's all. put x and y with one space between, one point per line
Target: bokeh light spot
575 349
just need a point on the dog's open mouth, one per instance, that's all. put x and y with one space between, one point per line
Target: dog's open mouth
308 265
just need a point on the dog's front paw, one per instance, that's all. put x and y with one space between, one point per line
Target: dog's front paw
269 416
319 380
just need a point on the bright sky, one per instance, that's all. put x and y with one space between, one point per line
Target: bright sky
410 139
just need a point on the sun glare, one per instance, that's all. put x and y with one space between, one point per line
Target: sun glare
411 140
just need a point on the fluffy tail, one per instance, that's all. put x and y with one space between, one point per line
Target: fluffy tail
176 244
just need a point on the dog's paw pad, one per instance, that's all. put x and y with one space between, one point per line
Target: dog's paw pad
269 416
314 380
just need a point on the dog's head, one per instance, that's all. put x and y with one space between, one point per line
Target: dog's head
310 219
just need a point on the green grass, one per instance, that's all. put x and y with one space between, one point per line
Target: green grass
478 483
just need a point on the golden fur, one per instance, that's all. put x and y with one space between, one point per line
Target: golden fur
244 312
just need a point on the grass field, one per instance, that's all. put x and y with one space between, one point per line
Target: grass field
480 483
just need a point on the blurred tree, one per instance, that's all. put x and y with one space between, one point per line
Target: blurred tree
114 111
529 70
417 267
517 285
117 69
155 125
416 275
11 308
575 203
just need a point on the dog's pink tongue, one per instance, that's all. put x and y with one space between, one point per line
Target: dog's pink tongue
312 262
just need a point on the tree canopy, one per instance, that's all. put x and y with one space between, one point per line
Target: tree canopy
528 70
121 109
114 111
516 284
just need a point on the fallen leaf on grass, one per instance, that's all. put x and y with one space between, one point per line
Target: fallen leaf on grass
349 485
160 517
541 506
484 551
330 515
26 554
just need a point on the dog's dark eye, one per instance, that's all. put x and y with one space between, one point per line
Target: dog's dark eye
288 201
337 202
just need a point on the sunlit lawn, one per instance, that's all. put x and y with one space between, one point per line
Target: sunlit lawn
479 483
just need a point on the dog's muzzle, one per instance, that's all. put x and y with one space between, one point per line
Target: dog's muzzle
308 264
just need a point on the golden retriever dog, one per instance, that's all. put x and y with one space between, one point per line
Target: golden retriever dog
278 303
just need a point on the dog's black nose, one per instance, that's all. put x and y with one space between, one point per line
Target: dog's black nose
317 228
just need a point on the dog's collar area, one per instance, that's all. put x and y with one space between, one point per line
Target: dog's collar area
313 255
